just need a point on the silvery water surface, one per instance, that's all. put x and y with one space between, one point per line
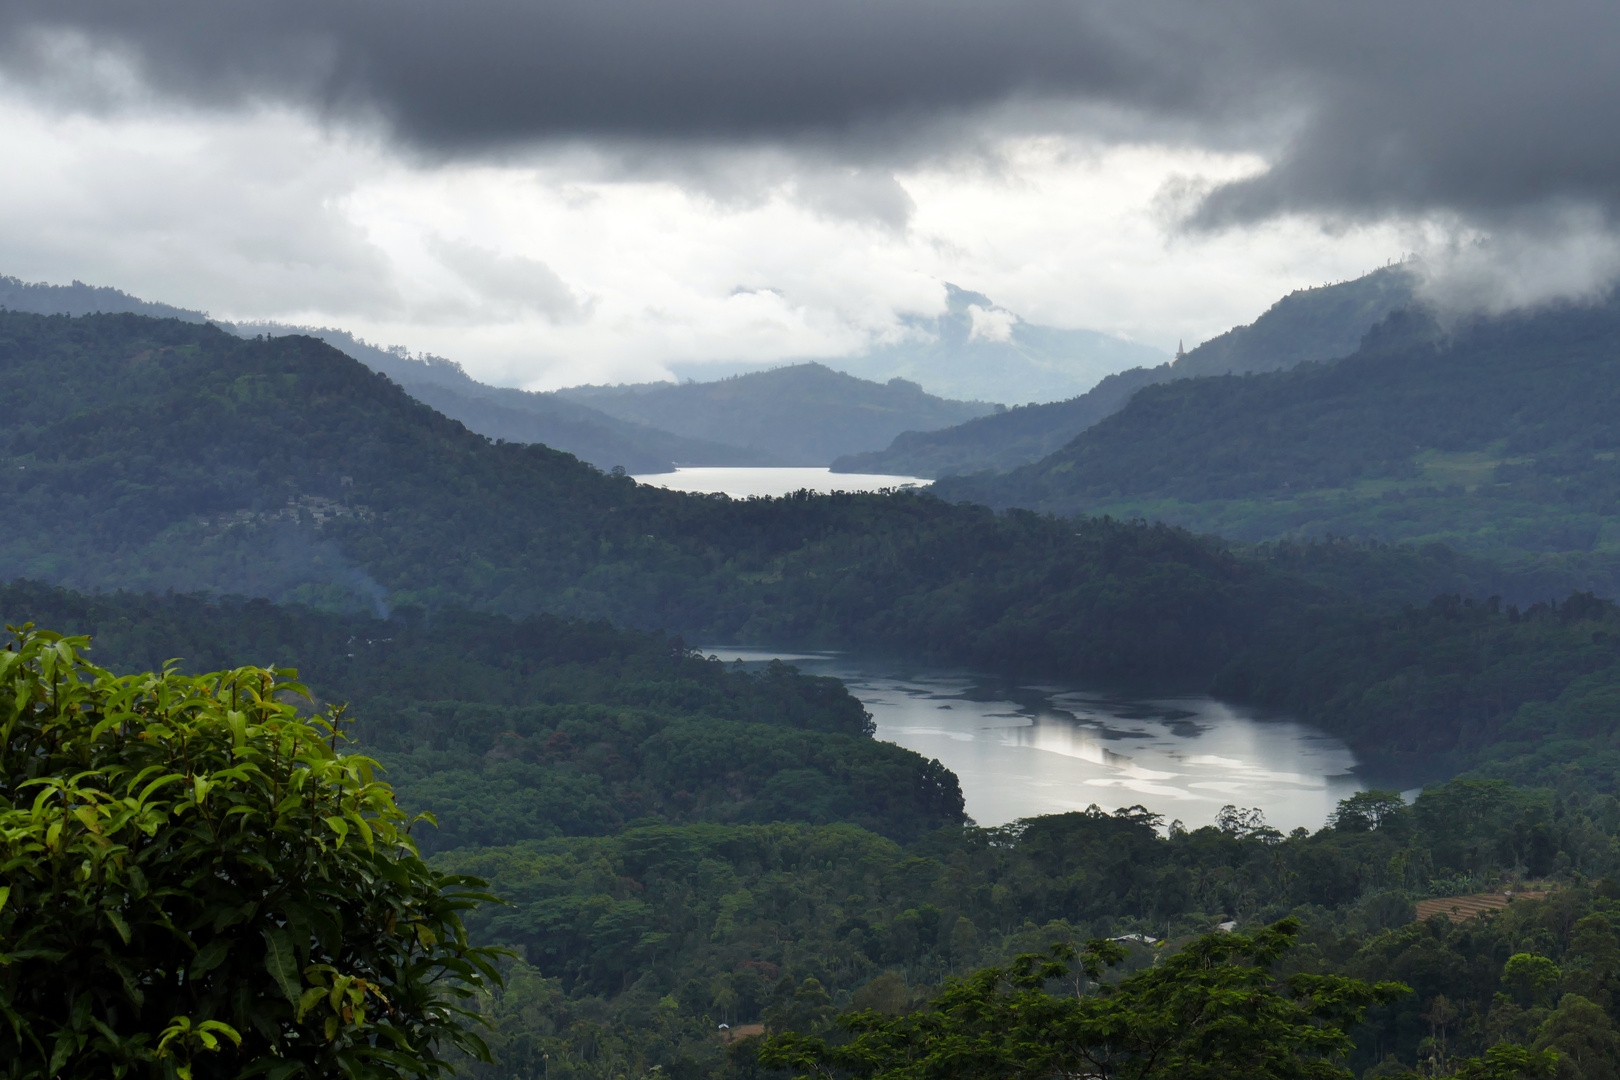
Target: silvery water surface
1044 748
741 483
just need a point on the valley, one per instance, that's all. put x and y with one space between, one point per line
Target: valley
917 791
855 541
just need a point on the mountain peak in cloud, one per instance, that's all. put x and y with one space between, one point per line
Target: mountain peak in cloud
977 350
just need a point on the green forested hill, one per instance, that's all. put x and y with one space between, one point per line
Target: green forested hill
137 451
510 730
144 453
636 946
1320 324
680 844
683 843
153 454
1496 435
496 411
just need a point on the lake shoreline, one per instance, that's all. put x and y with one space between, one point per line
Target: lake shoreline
745 483
1042 746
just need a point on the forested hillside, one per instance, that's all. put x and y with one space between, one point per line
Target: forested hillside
150 454
542 726
1495 435
685 843
751 897
1320 324
803 414
155 454
1421 693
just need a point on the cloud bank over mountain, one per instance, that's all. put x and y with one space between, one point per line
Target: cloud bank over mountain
1366 106
592 190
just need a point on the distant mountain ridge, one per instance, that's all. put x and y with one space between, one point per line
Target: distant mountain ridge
525 416
978 350
1004 440
1321 324
40 298
494 411
802 414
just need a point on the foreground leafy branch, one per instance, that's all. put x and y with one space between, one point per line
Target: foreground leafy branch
195 882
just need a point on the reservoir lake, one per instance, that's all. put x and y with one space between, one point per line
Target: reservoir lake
741 483
1022 749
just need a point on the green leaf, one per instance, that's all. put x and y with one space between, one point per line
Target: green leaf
118 924
60 1053
81 1011
209 1031
211 956
281 962
308 1001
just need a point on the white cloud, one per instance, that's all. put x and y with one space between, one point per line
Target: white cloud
991 324
563 266
1566 252
507 286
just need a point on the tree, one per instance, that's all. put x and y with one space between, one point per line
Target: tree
1531 977
1212 1011
194 882
1366 811
1509 1061
1584 1038
1246 824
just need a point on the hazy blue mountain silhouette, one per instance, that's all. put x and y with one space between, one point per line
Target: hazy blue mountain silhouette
1319 324
1006 359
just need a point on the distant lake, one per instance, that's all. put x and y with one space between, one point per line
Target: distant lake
1022 749
741 483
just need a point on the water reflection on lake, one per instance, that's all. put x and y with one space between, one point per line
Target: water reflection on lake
1029 749
740 483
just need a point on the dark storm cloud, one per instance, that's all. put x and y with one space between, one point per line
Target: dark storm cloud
1364 107
1488 108
479 71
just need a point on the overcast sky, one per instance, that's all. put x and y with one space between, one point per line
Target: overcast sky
583 190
